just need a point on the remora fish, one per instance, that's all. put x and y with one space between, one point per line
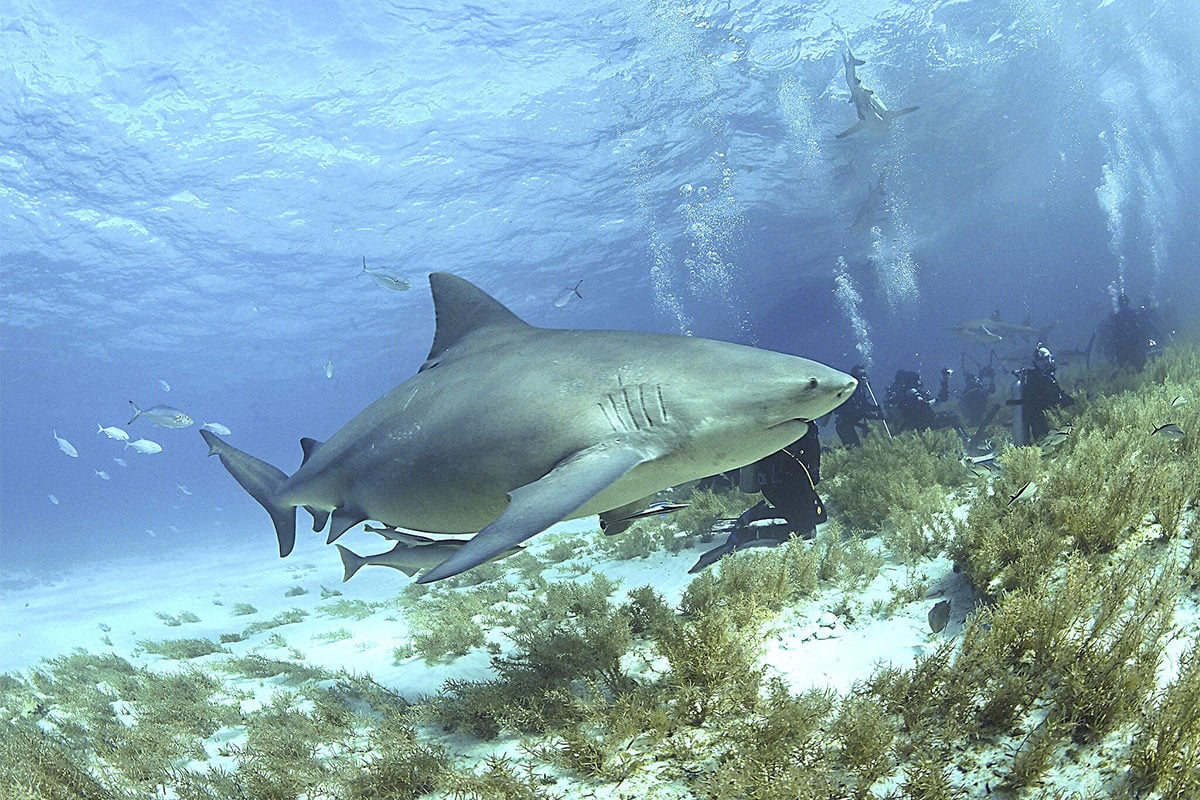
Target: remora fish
163 416
508 428
410 554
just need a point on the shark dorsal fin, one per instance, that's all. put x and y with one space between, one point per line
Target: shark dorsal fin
309 446
461 308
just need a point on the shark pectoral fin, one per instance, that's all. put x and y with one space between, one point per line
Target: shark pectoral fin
538 505
261 480
855 128
904 111
343 520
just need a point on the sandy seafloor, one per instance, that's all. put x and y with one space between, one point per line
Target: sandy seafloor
809 645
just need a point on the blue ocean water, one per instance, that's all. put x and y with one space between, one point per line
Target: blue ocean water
188 191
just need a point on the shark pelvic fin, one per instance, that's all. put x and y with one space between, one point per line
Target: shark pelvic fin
320 517
343 520
538 505
261 480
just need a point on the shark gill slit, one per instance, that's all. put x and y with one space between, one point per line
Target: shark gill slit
661 405
611 422
642 405
629 408
622 425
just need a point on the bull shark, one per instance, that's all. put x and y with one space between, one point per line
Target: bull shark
992 330
873 114
508 428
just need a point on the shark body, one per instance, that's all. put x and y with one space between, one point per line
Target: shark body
872 113
508 428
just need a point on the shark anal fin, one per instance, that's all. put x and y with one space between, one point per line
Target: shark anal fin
261 480
538 505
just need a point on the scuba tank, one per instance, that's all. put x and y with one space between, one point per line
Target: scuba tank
1020 431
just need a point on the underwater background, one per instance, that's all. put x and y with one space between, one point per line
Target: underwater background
188 193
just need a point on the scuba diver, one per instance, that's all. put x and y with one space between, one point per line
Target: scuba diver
911 405
1034 392
788 480
976 393
1128 335
854 413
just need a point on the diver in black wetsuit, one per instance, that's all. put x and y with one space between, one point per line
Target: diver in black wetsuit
1036 391
976 394
911 405
788 480
854 413
1128 335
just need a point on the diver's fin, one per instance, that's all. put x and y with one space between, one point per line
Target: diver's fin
351 562
538 505
261 480
343 520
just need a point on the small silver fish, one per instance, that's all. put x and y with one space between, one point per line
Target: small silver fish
1023 494
385 280
121 461
65 446
53 499
216 428
113 432
567 294
1170 432
101 474
144 446
980 470
1179 400
166 387
939 616
329 368
163 416
183 489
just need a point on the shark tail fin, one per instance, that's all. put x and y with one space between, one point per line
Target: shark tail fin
351 562
261 480
137 412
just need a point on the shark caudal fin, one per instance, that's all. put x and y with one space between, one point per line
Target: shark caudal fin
261 480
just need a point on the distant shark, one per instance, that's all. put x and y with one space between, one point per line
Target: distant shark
872 113
992 330
508 428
